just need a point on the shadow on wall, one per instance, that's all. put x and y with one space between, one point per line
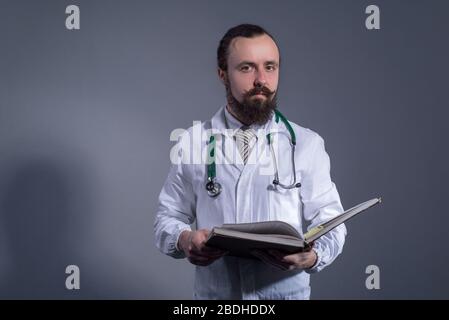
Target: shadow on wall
46 209
48 220
35 213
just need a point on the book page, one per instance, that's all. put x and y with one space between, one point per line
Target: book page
265 227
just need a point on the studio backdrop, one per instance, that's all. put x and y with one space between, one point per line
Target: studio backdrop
87 109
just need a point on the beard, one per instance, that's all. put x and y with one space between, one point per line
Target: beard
253 110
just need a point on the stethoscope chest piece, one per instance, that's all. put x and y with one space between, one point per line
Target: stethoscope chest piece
293 185
213 188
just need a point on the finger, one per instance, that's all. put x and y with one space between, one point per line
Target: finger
218 254
209 255
201 261
273 262
266 258
202 247
288 259
212 250
299 259
277 254
199 258
206 254
204 232
291 259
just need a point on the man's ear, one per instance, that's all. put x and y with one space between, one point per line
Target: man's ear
222 75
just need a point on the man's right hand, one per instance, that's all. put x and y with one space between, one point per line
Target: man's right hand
195 249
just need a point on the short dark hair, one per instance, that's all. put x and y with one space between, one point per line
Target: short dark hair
242 30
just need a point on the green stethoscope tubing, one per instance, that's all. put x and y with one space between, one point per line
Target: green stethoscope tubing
214 188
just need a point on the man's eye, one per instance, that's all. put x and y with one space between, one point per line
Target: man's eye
271 68
245 68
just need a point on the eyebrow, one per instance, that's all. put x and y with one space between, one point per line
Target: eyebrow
273 62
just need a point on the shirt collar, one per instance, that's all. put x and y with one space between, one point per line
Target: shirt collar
231 121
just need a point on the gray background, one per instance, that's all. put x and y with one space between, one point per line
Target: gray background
85 118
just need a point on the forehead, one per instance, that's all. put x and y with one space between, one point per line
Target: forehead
258 50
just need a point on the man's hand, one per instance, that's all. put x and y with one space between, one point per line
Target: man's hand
193 245
283 261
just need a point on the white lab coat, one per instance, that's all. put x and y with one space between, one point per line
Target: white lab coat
249 196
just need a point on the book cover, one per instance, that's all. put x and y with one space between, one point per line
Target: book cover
241 238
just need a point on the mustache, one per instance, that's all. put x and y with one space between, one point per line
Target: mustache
263 90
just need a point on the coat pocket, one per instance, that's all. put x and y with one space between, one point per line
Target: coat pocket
285 204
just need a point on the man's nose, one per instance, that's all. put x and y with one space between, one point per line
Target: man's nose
260 80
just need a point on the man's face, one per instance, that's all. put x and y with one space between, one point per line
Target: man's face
252 78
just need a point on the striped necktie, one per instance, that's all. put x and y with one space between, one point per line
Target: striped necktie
245 138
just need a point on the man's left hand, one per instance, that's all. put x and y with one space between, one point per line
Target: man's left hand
285 261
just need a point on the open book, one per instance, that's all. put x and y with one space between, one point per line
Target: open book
239 239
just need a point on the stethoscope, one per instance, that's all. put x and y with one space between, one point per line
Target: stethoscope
214 188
